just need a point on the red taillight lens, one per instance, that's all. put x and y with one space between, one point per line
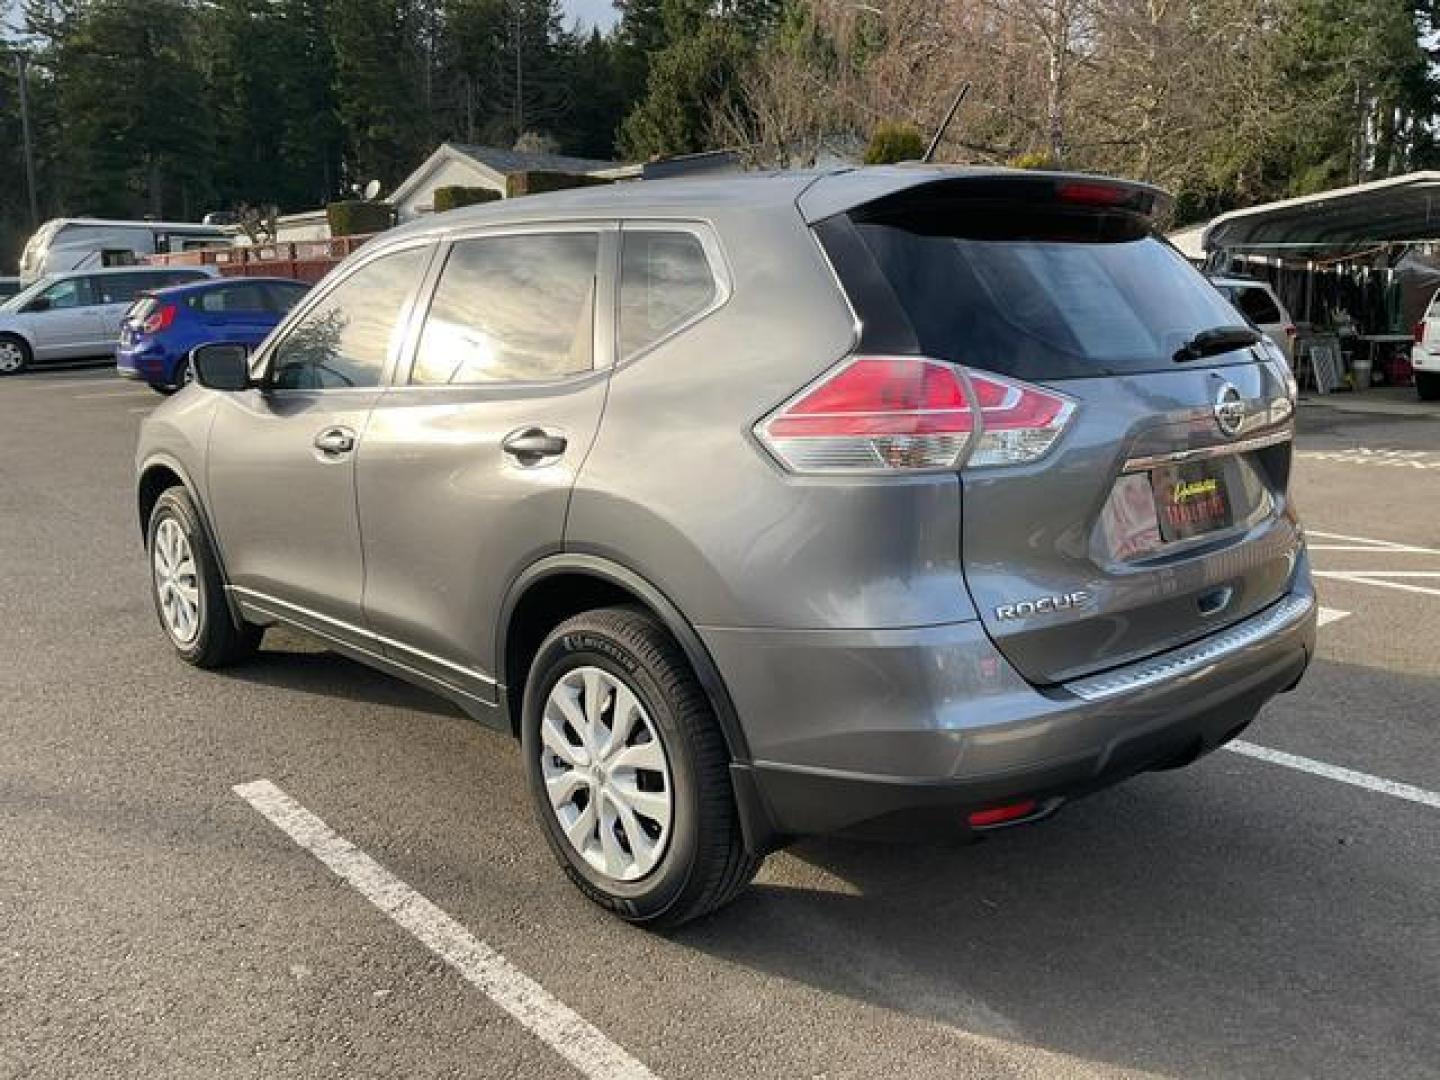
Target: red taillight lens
882 414
1419 331
159 319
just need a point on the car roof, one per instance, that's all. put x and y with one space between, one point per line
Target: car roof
209 283
106 271
816 193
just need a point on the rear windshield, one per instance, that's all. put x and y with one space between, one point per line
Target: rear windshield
1255 304
1043 301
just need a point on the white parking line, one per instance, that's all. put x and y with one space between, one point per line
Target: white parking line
1368 578
1367 544
565 1031
1330 614
1393 788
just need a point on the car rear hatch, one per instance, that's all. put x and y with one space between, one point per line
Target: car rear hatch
1160 513
132 325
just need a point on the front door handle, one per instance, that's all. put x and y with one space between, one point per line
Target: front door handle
530 446
335 441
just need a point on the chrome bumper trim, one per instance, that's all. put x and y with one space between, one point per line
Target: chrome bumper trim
1179 457
1192 657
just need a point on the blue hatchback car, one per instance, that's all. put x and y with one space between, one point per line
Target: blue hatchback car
162 326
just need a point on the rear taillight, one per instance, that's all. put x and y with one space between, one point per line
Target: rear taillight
159 319
1419 332
904 413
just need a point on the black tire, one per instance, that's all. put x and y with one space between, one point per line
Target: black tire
162 388
704 864
22 346
219 641
1427 385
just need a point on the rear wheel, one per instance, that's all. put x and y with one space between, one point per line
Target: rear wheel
628 770
1427 385
14 354
188 591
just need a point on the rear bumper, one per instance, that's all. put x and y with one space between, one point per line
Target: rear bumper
145 364
1422 359
908 731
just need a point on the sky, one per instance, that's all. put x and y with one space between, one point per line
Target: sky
599 13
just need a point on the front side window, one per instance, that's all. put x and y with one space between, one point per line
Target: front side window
665 280
344 341
70 293
511 309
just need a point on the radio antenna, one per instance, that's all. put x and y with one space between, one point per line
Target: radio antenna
940 131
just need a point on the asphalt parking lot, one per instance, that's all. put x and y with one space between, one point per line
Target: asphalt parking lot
1273 913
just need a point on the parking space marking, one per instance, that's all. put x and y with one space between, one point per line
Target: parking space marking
1330 614
1393 788
552 1021
1365 543
1371 578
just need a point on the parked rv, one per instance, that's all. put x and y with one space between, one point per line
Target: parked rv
93 243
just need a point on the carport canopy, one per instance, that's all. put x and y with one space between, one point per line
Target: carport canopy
1398 210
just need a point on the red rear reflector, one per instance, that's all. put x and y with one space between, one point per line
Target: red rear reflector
1419 331
998 815
159 320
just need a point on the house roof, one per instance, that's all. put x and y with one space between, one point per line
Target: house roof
494 164
508 161
1395 210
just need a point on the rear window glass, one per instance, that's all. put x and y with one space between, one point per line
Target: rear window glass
1042 303
1254 304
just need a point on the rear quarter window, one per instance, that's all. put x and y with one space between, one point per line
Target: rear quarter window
665 281
1255 305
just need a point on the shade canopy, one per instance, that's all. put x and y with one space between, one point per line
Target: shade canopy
1399 210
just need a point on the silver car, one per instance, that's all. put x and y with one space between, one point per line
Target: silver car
883 501
74 316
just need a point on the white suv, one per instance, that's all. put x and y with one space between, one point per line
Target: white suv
1257 301
1425 353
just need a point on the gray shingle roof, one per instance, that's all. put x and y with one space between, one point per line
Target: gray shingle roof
509 161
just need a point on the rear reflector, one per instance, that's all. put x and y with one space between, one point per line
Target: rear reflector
998 815
904 413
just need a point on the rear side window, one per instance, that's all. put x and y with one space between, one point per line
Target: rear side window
511 309
122 288
665 280
1255 305
1033 298
227 299
344 341
283 297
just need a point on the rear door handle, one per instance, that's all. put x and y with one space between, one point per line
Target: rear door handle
335 441
531 446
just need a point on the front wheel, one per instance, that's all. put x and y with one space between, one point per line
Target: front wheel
1427 385
628 770
14 355
187 588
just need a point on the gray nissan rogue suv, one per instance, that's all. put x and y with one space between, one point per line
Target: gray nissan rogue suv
883 500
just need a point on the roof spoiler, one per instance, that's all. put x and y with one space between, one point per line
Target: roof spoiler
895 187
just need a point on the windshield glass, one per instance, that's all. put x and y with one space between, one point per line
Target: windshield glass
25 295
1046 301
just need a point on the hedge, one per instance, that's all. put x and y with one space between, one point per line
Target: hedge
454 196
537 182
355 217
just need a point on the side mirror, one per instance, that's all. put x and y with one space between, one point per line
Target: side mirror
221 366
40 303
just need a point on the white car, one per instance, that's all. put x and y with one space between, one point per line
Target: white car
77 315
1425 353
1257 301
